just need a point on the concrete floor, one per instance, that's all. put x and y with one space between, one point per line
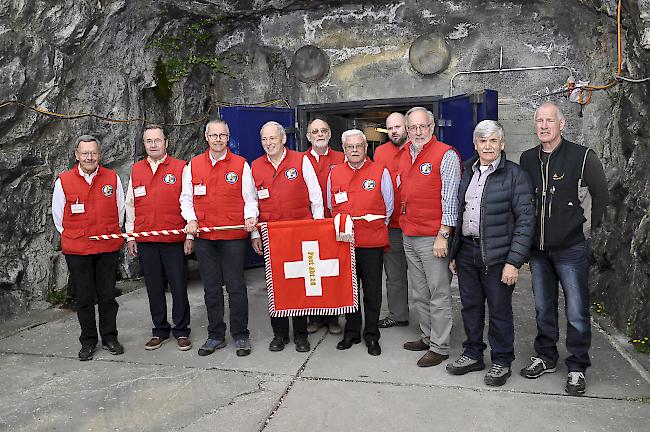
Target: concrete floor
46 388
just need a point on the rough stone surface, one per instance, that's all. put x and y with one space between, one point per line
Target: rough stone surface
92 56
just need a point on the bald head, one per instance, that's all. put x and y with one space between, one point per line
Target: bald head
396 127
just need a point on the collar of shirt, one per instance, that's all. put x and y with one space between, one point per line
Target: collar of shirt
88 177
214 161
284 154
155 164
360 166
491 167
316 155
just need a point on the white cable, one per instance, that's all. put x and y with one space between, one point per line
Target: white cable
633 80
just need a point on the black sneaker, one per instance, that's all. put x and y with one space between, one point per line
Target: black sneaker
87 352
537 368
389 322
575 384
497 375
464 365
114 347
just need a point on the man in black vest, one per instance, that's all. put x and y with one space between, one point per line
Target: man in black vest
559 170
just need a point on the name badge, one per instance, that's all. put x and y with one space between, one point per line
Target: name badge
78 208
139 191
398 180
263 194
340 197
200 189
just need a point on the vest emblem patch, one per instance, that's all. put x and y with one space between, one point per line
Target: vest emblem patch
107 190
169 179
425 168
369 184
232 177
291 173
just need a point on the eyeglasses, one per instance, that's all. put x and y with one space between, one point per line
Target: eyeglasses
418 128
156 141
321 130
221 136
87 154
270 139
354 146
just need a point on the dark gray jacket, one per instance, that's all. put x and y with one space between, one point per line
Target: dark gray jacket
507 214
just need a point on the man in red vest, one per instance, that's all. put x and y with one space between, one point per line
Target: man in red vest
218 190
430 173
389 155
323 158
359 187
152 204
287 189
89 200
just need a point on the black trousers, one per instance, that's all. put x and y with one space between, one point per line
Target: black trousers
222 262
162 262
281 327
93 277
370 263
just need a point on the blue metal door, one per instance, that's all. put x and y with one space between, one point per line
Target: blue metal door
458 115
245 123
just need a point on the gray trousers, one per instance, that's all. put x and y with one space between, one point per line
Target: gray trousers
430 280
396 280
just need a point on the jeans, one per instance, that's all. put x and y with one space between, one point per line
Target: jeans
222 262
570 267
477 285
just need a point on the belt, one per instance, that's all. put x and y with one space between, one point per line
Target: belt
475 239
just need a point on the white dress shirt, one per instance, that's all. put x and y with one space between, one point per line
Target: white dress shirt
313 187
58 199
386 191
249 194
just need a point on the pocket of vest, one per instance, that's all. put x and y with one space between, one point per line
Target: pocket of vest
74 233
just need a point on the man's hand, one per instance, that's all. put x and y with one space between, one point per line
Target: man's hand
257 245
132 248
510 274
192 228
452 266
188 246
249 224
440 247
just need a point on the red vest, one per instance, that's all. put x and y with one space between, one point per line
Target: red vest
100 212
288 194
363 187
159 209
223 203
389 155
323 167
421 189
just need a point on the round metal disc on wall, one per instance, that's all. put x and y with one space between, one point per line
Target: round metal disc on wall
429 54
309 64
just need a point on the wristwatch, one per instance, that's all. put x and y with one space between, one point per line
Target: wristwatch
444 234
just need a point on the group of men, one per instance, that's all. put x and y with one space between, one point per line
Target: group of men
481 221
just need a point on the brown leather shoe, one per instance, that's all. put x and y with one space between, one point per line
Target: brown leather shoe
418 345
184 343
432 359
154 343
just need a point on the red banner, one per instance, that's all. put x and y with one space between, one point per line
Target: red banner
308 272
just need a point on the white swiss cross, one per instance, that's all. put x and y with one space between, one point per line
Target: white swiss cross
311 268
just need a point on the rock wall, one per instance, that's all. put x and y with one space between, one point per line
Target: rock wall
104 57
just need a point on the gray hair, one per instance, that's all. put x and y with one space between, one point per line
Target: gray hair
418 108
154 126
560 115
486 128
215 122
352 132
88 138
281 131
